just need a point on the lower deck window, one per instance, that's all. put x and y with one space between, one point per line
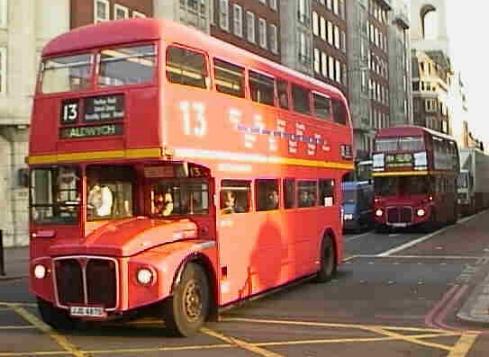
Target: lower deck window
110 192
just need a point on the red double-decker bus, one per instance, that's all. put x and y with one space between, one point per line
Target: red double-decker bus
174 174
415 174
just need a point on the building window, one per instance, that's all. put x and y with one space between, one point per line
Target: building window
3 14
331 68
101 11
329 4
317 60
324 64
238 20
303 48
342 9
138 15
120 12
323 29
3 70
330 33
337 37
315 23
224 15
262 32
303 16
338 71
250 26
335 7
273 39
343 41
273 4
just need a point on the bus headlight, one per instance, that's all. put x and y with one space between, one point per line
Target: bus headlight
420 212
379 213
144 276
40 271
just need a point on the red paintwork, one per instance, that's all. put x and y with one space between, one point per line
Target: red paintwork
259 250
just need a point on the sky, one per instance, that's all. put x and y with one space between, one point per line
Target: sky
469 49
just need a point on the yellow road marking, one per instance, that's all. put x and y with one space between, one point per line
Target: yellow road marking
41 326
348 340
463 345
16 327
8 305
332 325
410 339
158 349
241 344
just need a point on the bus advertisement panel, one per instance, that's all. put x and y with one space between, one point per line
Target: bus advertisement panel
175 174
415 173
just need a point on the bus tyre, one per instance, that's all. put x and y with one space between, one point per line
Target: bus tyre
186 311
54 317
327 261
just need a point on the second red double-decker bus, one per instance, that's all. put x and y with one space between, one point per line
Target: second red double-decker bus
415 178
176 174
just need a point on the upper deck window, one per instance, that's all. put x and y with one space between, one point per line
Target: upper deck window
186 67
340 112
66 74
405 144
127 65
300 99
322 106
262 88
229 78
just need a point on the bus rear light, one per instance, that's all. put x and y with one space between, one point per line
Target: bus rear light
379 213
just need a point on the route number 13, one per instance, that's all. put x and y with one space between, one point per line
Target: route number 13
69 113
193 118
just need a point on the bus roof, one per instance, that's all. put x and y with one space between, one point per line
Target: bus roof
139 30
409 130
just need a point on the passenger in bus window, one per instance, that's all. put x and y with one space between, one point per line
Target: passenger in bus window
229 204
100 200
163 203
273 200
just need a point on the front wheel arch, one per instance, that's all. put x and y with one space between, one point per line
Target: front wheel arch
204 262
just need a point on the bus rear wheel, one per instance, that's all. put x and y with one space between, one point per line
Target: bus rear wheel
54 317
186 311
328 260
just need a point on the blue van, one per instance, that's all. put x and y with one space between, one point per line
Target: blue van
357 205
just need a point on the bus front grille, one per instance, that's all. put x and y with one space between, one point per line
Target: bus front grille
406 215
399 215
86 281
69 282
393 215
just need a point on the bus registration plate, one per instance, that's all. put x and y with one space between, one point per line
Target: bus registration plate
87 311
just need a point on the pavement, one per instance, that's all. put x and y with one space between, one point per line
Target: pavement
16 263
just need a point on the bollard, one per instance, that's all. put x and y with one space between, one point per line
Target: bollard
2 265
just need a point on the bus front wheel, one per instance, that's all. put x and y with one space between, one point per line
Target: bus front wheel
327 261
54 317
186 311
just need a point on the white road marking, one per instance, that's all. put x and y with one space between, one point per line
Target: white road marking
355 237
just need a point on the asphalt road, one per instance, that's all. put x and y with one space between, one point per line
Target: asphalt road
396 295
